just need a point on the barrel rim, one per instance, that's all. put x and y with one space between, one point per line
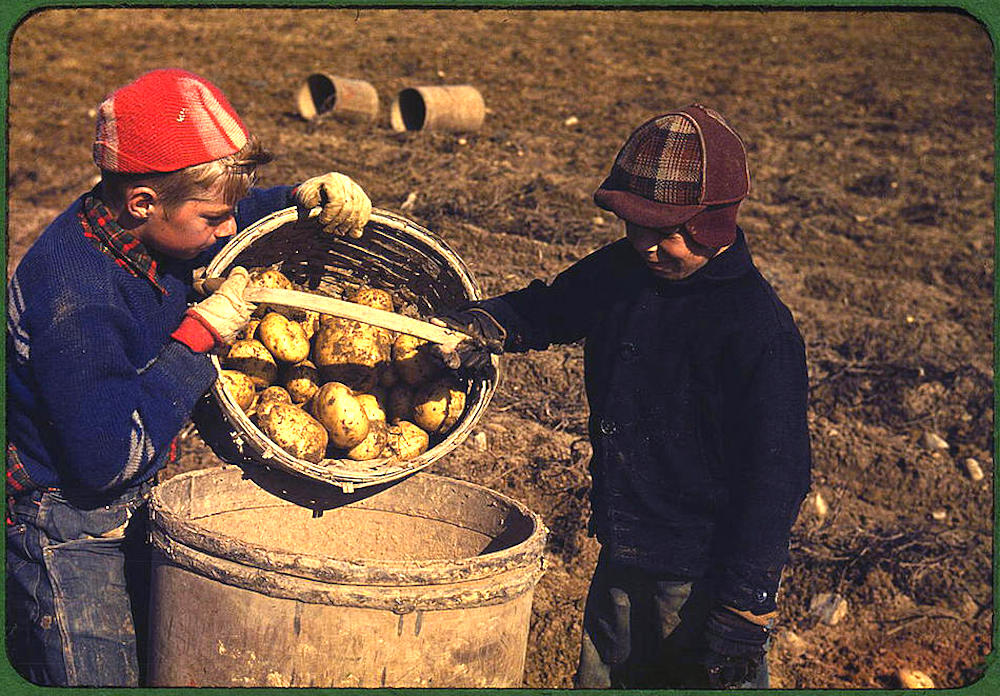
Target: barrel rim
327 568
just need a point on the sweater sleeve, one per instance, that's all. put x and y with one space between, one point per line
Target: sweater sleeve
768 448
260 202
114 422
564 310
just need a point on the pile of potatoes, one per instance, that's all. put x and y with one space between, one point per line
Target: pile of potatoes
323 387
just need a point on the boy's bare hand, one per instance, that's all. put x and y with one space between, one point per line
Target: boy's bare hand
345 206
225 310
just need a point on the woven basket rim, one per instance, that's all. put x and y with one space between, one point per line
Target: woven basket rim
252 441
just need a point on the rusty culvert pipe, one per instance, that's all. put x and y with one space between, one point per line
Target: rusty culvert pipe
424 583
441 108
323 94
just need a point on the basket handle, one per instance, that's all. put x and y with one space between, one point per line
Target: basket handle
448 338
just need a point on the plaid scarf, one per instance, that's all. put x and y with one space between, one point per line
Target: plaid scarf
18 480
100 227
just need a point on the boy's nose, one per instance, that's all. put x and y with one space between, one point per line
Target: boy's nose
646 245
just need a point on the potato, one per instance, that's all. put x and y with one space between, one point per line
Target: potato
240 386
374 443
350 352
914 679
271 397
285 339
372 297
437 406
309 322
411 361
301 380
406 440
340 412
269 278
251 329
296 432
399 403
250 357
372 406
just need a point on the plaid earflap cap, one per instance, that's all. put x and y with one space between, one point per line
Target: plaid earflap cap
684 167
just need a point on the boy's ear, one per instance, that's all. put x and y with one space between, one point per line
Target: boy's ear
140 202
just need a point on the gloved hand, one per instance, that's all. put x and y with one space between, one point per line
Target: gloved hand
486 337
735 649
346 207
225 311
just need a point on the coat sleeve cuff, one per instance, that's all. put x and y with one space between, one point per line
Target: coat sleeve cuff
751 590
196 333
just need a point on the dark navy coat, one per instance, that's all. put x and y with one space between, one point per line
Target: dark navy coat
697 391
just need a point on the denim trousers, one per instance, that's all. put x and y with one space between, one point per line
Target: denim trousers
646 631
77 587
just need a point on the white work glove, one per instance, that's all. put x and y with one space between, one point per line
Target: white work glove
345 206
225 310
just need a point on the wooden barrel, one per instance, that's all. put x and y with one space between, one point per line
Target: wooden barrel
263 579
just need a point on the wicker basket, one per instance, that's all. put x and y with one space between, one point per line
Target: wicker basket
421 272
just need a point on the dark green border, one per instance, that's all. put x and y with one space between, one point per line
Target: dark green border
987 12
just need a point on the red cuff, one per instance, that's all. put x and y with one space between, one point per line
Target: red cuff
196 333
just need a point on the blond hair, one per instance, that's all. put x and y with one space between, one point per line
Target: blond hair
233 174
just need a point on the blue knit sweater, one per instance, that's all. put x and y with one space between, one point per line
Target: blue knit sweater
96 388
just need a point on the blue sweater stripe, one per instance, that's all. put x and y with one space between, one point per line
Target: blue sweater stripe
15 307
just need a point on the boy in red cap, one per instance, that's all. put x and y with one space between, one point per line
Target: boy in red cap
697 386
106 360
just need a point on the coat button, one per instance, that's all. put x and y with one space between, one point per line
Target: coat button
608 427
628 351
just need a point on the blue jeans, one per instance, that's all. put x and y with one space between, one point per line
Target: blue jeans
646 631
77 569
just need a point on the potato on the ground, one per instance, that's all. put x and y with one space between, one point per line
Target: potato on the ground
340 412
350 352
240 386
372 297
271 397
407 440
399 403
250 357
374 443
296 432
285 339
438 405
411 360
301 380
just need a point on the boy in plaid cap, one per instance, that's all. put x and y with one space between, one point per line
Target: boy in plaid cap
697 387
106 359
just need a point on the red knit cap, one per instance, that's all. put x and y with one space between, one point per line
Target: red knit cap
164 121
